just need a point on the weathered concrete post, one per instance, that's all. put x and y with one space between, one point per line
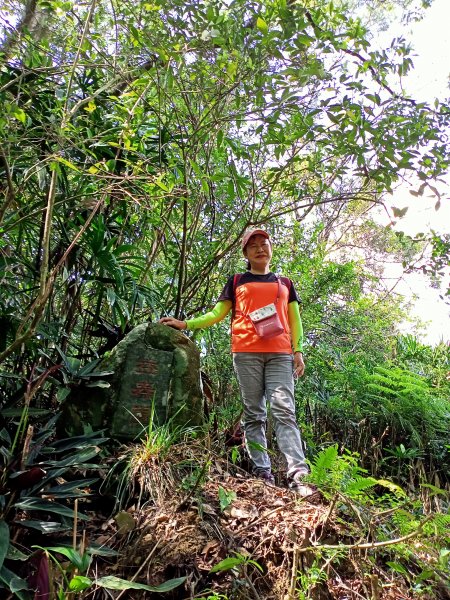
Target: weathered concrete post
155 376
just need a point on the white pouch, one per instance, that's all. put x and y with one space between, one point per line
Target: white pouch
266 321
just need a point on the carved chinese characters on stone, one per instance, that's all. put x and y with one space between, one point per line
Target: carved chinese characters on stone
146 366
143 390
143 413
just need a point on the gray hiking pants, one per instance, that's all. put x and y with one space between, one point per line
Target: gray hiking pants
268 377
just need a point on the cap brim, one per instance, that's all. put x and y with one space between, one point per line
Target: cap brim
247 237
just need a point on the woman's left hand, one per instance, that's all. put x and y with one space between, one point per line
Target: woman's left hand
299 365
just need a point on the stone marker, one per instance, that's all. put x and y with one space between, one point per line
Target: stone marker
155 377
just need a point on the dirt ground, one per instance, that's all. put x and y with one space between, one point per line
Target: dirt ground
184 522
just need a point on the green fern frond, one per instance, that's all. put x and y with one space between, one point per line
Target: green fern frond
380 390
359 485
323 463
405 522
392 487
438 526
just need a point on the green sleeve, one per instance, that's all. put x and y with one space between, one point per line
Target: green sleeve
295 323
215 315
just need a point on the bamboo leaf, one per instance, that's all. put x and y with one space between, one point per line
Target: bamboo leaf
4 541
15 584
115 583
31 504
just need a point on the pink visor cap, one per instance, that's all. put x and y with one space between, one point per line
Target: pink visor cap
250 233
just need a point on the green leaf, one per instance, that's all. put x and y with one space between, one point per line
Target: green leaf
81 441
323 463
114 583
228 563
399 212
161 185
80 561
16 554
394 488
19 114
79 583
96 550
45 526
100 384
375 98
15 584
434 489
398 568
46 505
62 394
65 488
303 40
232 69
67 163
262 25
424 575
205 187
4 541
17 412
226 497
74 460
256 446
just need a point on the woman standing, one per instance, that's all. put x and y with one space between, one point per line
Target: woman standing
265 365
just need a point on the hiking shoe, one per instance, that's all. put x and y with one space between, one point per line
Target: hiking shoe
265 475
297 484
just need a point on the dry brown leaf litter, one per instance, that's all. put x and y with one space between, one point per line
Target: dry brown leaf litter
268 524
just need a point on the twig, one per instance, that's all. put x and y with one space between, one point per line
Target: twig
250 583
369 545
375 587
390 511
140 568
352 591
328 515
184 502
347 500
264 516
75 524
10 195
39 303
295 559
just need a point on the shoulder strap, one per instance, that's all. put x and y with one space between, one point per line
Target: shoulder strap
278 289
287 282
236 280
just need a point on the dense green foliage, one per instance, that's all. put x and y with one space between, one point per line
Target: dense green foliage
134 160
138 140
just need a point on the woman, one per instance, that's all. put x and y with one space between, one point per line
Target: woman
265 367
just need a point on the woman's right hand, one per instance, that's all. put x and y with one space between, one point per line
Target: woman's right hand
171 322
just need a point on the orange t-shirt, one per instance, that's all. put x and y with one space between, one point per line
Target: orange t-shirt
250 293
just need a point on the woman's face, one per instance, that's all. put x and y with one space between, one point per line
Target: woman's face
258 251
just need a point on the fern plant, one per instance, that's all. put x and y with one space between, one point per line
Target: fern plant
409 403
387 527
332 472
415 415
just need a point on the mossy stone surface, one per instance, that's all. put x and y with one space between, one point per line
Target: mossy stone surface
155 377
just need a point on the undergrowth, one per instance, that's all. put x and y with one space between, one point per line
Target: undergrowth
384 529
374 530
